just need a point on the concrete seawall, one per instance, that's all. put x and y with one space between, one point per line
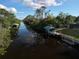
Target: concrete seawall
69 40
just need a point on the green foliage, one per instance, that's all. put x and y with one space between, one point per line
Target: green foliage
4 12
5 40
77 19
62 20
6 20
30 20
70 19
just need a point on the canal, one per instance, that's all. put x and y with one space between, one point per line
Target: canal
22 47
25 36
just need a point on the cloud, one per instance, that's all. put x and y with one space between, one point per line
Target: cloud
38 3
11 9
2 6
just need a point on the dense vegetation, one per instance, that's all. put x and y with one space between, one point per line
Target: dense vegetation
43 18
61 20
6 21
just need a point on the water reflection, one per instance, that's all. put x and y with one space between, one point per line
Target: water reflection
24 36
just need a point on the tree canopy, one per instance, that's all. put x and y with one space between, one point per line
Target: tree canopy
7 19
61 20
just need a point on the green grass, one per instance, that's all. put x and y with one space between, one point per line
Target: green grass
2 51
71 32
4 40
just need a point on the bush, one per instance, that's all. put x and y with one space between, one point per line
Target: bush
5 40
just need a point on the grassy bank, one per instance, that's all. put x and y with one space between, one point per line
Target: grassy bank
71 32
5 40
6 21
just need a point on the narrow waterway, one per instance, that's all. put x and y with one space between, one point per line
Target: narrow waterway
21 48
24 36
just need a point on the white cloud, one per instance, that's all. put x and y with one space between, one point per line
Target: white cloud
39 3
11 10
2 6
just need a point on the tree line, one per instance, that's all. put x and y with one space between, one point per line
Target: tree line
43 18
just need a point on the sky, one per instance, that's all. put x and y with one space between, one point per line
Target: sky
22 8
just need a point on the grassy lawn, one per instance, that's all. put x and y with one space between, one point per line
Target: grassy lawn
71 32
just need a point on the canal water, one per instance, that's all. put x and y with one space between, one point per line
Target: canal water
21 48
24 36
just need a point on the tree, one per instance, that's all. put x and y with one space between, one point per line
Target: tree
30 19
40 13
7 18
77 20
61 19
70 19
